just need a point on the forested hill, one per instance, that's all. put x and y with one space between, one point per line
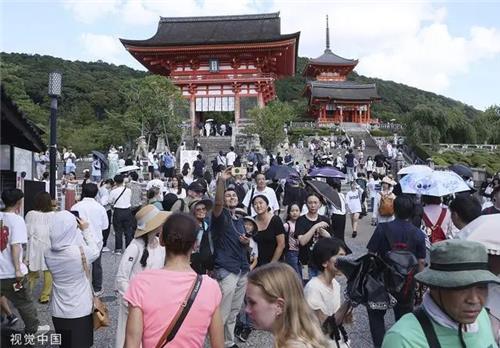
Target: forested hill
92 90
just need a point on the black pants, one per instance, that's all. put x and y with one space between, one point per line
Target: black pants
97 274
122 223
377 323
338 226
105 233
169 172
75 333
134 211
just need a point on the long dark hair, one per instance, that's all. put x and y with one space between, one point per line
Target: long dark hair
145 253
180 180
289 209
43 202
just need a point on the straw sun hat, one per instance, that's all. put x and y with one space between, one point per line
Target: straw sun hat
148 219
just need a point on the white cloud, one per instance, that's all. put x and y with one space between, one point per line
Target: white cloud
142 11
134 12
103 47
87 11
433 57
408 42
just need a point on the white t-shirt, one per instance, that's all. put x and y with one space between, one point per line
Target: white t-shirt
255 248
18 234
230 158
353 200
95 214
268 192
319 296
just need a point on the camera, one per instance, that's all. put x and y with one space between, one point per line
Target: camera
238 171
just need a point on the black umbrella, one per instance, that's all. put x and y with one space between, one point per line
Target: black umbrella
326 191
280 172
101 157
461 170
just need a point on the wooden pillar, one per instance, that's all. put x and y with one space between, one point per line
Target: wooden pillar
192 113
260 99
237 110
369 114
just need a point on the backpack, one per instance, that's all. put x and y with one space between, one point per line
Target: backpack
203 260
435 231
386 205
402 263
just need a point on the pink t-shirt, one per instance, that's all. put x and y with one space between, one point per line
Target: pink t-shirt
159 294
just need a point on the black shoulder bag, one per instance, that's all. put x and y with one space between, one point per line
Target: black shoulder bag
120 196
181 314
427 328
249 208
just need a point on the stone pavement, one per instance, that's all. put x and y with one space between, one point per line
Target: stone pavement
104 338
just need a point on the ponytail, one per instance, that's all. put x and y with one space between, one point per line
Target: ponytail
145 253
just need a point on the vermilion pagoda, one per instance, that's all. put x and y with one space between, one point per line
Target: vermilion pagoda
333 99
221 63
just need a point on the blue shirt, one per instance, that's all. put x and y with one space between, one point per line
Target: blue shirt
168 160
400 231
230 253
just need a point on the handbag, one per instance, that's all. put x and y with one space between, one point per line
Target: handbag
175 324
100 313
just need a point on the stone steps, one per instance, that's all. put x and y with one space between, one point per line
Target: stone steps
210 145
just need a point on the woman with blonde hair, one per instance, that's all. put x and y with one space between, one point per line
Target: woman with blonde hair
276 303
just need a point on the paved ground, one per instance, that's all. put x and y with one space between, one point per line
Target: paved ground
104 338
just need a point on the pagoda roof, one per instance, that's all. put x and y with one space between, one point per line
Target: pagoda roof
330 58
343 90
183 31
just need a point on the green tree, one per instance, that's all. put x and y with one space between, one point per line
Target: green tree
487 125
269 122
424 125
155 108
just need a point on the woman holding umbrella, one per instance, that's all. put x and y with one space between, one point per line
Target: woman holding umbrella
338 212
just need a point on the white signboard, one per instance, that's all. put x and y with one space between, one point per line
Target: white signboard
215 104
23 162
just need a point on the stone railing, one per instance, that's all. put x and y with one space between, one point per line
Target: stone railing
466 147
302 125
390 126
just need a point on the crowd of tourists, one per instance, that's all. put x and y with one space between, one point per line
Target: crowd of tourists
235 247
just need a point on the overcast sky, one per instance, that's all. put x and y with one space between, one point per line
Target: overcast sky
451 48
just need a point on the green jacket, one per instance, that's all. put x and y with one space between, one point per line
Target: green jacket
407 333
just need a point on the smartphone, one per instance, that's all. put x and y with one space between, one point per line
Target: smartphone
238 171
17 286
75 213
248 234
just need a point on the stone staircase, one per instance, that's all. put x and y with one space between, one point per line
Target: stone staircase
210 145
371 147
